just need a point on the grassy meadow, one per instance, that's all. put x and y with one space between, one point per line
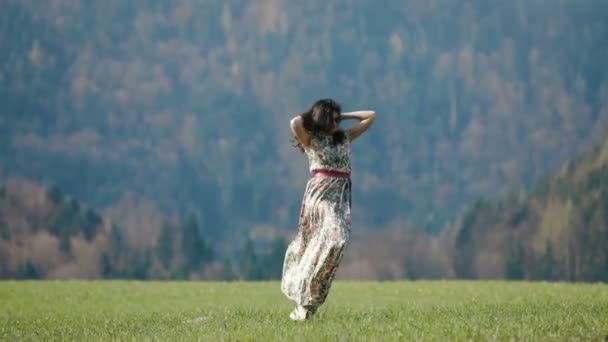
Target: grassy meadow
257 311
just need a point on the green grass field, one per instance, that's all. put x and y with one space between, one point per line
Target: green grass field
379 311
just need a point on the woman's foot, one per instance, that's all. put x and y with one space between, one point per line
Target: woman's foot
301 313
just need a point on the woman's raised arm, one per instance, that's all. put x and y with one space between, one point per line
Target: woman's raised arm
298 130
365 117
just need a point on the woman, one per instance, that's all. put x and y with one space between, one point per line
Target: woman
312 258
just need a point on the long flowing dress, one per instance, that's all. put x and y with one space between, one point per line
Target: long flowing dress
313 257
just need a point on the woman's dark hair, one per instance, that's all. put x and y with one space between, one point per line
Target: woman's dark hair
319 119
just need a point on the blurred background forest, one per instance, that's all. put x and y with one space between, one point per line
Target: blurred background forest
150 139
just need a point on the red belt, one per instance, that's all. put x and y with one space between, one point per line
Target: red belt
339 174
330 173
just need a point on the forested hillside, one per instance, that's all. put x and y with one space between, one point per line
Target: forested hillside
555 232
185 104
45 233
560 231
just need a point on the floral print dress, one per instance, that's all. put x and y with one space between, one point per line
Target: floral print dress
312 258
